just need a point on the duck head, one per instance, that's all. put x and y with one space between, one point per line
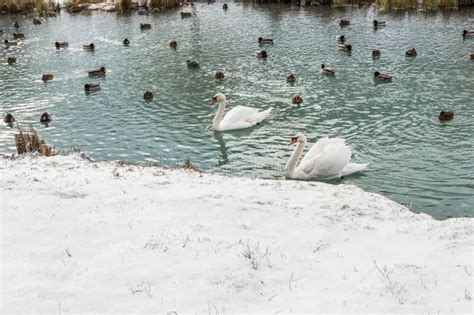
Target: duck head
45 117
9 119
291 78
148 95
297 100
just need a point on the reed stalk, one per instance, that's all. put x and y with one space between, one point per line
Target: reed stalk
449 4
126 5
29 141
163 4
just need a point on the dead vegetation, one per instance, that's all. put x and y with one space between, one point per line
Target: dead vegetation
188 164
29 141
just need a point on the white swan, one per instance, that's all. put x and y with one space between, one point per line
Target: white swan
328 158
239 117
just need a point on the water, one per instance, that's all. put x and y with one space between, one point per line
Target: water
414 158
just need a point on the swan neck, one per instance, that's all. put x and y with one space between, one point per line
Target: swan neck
294 158
219 115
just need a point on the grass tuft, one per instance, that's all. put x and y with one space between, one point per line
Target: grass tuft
188 164
29 141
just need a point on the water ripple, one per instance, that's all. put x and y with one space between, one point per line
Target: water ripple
414 158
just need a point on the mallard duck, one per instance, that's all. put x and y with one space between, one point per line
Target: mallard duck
344 22
297 100
16 25
261 54
379 23
18 36
376 53
61 44
444 116
91 87
9 119
173 44
225 6
11 60
327 70
219 75
47 77
344 47
263 41
411 52
145 26
36 21
97 72
341 38
148 95
186 14
192 63
126 42
467 33
291 78
379 77
90 46
45 117
10 43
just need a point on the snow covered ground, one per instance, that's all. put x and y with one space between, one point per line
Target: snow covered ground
101 237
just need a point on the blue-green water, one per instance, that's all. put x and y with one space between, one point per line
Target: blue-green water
413 157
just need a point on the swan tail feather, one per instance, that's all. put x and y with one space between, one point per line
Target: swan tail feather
259 116
352 168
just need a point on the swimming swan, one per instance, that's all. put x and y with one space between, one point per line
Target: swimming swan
239 117
328 158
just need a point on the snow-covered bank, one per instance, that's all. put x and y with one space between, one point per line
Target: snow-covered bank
98 237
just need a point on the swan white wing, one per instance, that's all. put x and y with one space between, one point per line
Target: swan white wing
238 114
329 161
258 116
242 117
320 145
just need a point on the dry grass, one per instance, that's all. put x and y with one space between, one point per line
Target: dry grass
22 6
188 164
163 4
413 4
29 141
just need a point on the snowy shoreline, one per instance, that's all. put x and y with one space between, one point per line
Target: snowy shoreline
80 236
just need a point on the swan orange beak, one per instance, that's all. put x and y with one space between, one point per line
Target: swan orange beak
292 141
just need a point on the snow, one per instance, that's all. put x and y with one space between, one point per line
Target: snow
81 236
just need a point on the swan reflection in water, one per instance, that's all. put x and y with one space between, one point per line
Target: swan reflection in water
223 157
